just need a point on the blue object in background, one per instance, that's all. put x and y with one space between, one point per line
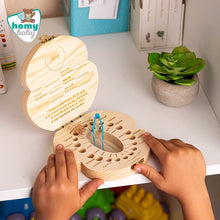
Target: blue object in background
79 24
19 206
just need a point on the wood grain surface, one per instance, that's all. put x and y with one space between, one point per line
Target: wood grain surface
123 145
60 82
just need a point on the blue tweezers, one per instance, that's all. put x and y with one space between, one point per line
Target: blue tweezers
93 129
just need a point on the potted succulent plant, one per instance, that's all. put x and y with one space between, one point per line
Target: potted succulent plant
175 81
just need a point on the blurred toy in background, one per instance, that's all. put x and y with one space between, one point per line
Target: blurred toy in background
118 190
117 214
131 203
76 216
165 207
16 216
102 199
95 213
20 209
137 204
31 216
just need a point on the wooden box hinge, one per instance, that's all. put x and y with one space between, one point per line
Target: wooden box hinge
45 38
63 126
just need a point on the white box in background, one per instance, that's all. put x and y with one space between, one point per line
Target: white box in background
161 23
147 23
175 23
157 24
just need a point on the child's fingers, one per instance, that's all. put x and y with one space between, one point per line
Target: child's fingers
72 172
180 143
61 172
50 168
159 150
148 171
177 142
168 144
88 190
41 178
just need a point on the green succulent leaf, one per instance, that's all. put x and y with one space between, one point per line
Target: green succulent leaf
162 77
181 49
185 82
179 56
190 55
175 77
176 67
153 58
173 71
187 61
197 66
156 68
165 62
169 58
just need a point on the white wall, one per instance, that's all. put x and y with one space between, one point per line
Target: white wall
202 34
48 8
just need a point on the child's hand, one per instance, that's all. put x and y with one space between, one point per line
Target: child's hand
182 175
55 193
183 166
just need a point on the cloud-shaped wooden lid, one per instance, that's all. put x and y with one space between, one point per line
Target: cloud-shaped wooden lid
60 82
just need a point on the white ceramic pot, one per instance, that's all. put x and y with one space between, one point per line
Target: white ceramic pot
174 95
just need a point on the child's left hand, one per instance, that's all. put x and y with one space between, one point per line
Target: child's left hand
55 193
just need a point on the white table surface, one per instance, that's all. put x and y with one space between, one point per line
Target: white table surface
124 85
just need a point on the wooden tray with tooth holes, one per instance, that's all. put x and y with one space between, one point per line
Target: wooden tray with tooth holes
60 86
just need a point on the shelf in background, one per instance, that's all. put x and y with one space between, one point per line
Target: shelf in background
124 85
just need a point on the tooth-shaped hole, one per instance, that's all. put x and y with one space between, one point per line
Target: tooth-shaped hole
77 145
99 158
90 156
132 137
119 127
127 132
83 150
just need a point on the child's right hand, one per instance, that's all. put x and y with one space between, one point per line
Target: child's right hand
182 175
183 167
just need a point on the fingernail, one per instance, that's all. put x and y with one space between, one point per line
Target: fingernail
100 182
137 169
68 150
147 134
52 156
59 147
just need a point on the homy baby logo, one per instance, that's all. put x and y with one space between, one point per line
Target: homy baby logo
25 24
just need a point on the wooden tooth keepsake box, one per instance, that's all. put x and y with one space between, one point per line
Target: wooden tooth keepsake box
60 85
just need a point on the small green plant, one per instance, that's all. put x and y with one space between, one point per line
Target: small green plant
177 67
